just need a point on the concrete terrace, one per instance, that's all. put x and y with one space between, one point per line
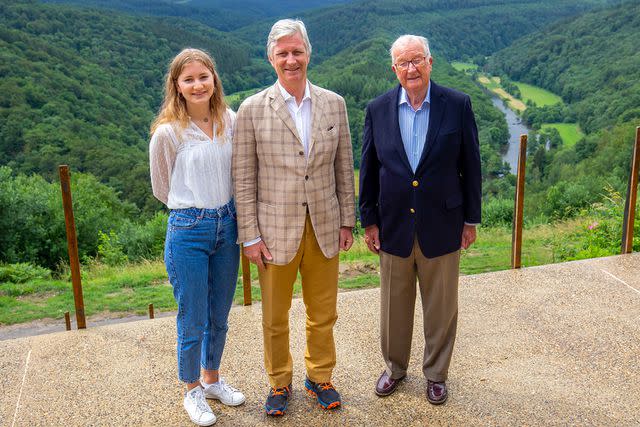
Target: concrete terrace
551 345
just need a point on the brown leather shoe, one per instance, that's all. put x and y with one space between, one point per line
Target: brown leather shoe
387 385
436 392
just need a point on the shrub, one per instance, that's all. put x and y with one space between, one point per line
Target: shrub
22 272
497 212
110 249
32 218
144 241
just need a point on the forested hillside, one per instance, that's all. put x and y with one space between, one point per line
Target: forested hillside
457 28
221 14
593 62
81 87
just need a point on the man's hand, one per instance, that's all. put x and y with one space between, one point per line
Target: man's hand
346 238
372 238
255 253
468 236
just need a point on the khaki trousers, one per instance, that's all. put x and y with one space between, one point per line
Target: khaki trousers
319 292
438 279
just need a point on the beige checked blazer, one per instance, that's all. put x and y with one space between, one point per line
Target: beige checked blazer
274 182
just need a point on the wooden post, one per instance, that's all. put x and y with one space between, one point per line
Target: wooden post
72 245
151 313
516 237
632 196
67 320
246 278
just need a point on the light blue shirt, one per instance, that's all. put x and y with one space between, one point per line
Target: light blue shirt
414 125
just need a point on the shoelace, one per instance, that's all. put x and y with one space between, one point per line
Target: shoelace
279 391
226 387
200 401
326 386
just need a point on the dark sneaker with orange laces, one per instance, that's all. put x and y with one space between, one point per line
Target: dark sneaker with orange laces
277 400
326 394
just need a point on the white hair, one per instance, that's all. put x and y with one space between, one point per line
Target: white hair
406 39
284 28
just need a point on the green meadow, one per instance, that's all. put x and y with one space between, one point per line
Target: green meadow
537 95
569 132
464 66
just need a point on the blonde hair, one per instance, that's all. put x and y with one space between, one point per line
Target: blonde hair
174 107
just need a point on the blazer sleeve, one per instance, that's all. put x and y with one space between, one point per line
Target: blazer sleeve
369 176
470 170
343 166
244 170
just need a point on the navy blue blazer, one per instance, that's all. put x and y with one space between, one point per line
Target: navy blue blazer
445 191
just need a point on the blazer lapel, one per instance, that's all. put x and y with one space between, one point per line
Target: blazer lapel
282 111
317 111
395 127
436 113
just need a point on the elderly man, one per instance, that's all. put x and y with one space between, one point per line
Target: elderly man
419 203
294 189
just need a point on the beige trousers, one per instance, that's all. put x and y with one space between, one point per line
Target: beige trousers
319 292
438 281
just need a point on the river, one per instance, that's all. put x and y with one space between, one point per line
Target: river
516 128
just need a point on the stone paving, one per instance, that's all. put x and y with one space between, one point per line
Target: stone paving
550 345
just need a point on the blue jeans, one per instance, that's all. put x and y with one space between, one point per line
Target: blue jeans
201 256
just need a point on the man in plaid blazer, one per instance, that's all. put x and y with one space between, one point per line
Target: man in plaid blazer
294 192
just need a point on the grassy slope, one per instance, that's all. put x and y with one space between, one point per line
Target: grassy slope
464 66
131 288
569 132
537 95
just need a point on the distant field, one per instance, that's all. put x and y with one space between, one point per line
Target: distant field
538 96
235 97
569 132
514 102
493 84
464 66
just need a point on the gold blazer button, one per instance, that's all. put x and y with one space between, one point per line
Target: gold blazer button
414 183
412 210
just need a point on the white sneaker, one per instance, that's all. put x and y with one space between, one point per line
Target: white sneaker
223 392
198 408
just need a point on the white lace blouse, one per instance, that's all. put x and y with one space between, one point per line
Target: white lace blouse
189 169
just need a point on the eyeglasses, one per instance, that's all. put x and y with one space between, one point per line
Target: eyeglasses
415 61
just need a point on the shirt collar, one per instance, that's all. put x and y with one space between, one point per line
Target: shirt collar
287 96
404 100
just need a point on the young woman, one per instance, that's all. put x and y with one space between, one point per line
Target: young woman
190 157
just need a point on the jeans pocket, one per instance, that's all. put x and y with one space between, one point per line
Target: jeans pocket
183 220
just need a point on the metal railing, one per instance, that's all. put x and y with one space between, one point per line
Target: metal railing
516 238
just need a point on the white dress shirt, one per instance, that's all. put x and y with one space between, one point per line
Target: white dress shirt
301 114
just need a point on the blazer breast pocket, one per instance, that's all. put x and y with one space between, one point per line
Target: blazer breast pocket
329 138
